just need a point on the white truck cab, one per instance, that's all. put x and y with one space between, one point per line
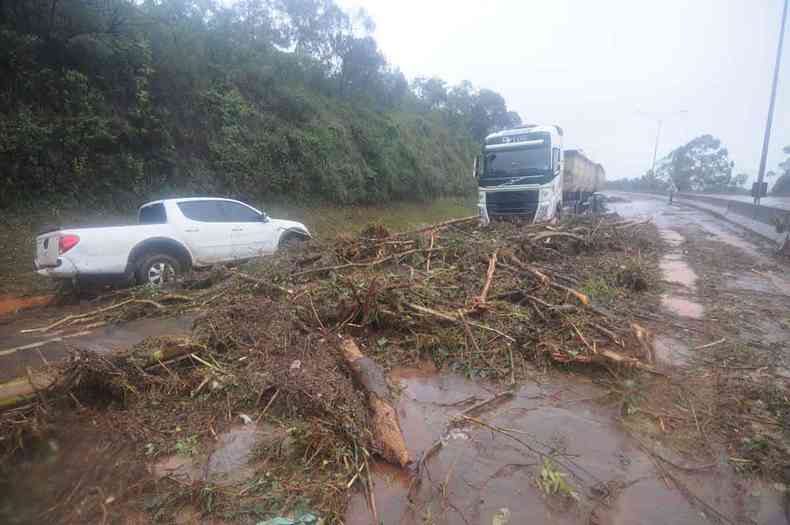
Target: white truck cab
521 173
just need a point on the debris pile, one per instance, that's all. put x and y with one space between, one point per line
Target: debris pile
307 335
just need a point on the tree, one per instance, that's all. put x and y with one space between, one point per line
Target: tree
431 91
782 184
361 64
701 165
785 165
738 183
489 113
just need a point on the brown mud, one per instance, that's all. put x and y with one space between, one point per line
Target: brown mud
10 304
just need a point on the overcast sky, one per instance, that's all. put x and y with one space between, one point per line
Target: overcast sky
591 66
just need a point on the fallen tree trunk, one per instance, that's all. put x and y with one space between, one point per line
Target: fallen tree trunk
386 426
22 390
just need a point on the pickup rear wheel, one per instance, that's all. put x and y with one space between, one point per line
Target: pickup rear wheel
158 269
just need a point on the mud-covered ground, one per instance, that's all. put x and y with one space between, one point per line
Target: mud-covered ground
696 439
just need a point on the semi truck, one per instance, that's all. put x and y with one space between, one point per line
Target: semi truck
525 172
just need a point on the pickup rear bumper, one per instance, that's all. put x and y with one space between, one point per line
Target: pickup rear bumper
65 269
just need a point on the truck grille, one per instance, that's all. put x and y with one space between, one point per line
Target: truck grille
512 202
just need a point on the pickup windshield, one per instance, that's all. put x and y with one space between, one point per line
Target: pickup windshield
531 160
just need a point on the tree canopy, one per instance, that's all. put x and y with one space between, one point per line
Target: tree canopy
138 99
782 184
703 164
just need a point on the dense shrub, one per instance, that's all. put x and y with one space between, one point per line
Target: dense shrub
103 103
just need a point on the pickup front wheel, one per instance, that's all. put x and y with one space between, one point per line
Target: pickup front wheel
158 269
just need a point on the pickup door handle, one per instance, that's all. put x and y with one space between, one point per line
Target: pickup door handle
192 230
237 230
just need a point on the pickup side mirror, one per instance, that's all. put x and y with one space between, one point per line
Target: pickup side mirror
476 170
263 218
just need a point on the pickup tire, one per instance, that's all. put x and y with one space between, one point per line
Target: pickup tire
158 269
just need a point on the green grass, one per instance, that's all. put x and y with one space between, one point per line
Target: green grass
599 290
328 221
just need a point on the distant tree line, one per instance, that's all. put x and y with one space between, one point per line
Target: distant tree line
702 165
134 99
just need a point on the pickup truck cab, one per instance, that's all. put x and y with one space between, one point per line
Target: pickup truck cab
172 236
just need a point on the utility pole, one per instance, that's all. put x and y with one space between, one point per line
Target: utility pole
660 122
655 150
771 104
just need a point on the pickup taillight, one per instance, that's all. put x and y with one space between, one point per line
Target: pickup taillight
67 242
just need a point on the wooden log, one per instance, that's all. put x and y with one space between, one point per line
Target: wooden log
23 389
386 425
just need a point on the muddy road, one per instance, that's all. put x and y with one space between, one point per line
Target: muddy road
568 446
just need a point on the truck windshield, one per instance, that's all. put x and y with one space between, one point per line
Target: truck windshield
517 162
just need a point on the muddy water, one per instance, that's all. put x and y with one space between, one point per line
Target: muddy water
229 461
18 351
482 469
680 298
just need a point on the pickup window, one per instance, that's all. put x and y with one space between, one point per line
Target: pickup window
218 211
153 214
201 211
235 212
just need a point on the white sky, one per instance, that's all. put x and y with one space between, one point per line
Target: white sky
590 66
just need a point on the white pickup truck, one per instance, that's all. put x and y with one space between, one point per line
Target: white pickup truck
172 236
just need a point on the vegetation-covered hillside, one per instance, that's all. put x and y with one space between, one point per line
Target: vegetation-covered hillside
110 102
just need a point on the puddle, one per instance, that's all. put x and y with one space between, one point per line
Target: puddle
230 460
682 307
21 351
479 471
11 305
676 271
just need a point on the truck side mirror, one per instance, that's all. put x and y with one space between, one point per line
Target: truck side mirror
476 173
